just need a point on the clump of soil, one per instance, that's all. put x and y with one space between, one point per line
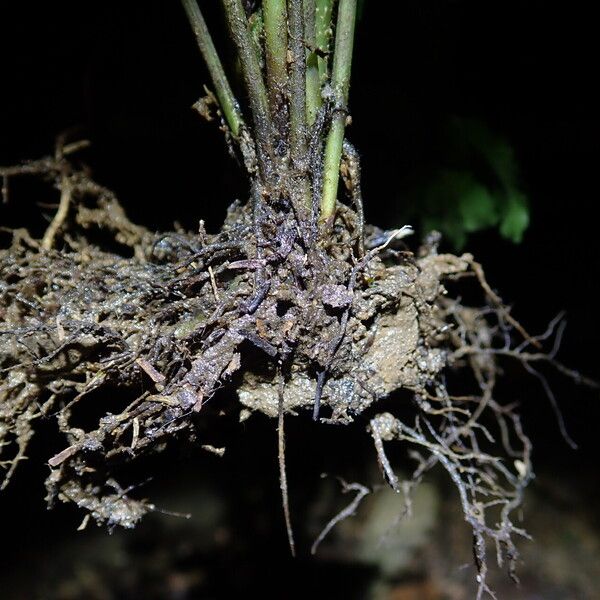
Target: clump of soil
122 336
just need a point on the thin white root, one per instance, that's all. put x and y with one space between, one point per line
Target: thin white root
61 213
282 472
349 511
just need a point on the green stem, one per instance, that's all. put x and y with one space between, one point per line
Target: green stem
257 93
313 83
229 104
300 189
323 12
276 44
298 133
340 82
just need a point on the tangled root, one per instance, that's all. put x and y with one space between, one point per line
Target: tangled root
162 321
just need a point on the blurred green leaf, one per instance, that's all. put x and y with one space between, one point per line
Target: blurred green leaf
456 204
474 187
477 209
515 218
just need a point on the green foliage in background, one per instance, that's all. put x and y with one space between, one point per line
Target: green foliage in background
475 187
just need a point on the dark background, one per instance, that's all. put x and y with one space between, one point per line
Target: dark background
125 74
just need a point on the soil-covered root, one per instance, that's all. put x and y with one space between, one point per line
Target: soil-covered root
177 323
150 326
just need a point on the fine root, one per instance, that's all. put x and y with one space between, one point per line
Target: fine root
348 511
282 470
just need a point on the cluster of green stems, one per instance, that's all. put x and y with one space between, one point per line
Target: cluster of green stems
294 69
